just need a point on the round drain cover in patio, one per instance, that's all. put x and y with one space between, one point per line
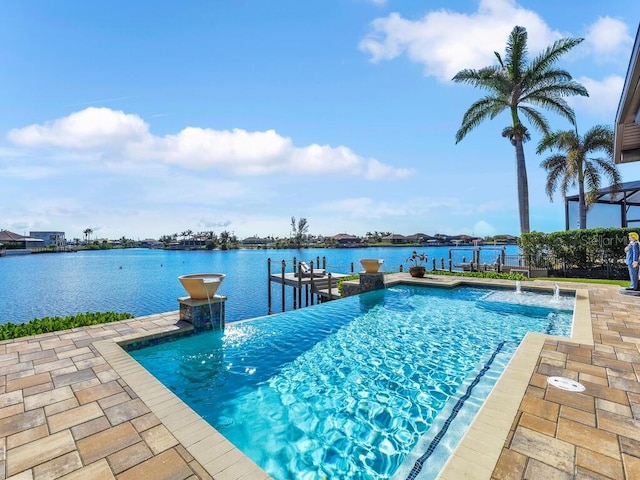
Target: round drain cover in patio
566 384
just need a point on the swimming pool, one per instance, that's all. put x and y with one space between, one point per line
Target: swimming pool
351 388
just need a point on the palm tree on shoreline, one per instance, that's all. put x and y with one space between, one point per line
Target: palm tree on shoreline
520 88
574 166
87 234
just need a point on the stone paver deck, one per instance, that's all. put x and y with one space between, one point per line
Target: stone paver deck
74 405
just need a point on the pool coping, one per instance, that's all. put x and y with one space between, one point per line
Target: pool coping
477 453
220 458
475 456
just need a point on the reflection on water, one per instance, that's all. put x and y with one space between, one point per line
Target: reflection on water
143 282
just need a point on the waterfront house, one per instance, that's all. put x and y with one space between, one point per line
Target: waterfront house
422 238
346 240
395 238
14 243
50 238
151 243
254 241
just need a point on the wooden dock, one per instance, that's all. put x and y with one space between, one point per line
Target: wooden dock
316 286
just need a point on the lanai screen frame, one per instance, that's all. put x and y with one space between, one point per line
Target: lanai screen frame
628 195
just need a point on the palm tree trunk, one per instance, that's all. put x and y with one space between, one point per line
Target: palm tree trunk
582 206
523 187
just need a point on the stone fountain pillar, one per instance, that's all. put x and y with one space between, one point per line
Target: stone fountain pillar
208 314
371 281
371 278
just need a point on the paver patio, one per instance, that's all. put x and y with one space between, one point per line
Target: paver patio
74 405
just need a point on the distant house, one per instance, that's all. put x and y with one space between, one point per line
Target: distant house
395 238
16 243
419 238
461 240
254 241
505 239
444 239
50 238
151 243
344 239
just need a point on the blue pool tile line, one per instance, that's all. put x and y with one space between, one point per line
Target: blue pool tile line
454 413
153 340
551 325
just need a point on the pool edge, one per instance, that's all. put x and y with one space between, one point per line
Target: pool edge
220 458
475 457
478 451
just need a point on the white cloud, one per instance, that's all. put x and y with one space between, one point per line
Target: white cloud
483 229
114 137
445 42
89 128
376 170
607 38
364 207
603 98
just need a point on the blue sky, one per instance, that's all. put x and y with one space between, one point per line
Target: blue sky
146 118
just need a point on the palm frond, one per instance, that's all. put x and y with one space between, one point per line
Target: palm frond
516 53
536 118
554 166
552 53
599 137
479 111
555 104
482 78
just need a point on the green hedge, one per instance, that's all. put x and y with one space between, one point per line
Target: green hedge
500 276
53 324
588 248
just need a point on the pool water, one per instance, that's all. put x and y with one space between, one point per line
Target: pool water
350 388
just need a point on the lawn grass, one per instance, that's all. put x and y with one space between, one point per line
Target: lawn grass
622 283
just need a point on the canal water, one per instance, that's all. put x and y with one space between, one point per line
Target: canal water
144 281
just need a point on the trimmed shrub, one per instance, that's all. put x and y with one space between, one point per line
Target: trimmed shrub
53 324
600 248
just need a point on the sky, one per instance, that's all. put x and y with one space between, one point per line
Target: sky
148 118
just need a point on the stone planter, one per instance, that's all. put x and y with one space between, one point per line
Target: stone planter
371 265
417 272
201 286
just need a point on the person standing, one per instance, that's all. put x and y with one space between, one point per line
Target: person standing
632 251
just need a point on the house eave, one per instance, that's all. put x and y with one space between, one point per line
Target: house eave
627 126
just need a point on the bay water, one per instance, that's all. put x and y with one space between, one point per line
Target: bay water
145 281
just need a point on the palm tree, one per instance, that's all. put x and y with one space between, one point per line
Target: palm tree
575 165
520 88
225 238
87 234
299 230
189 235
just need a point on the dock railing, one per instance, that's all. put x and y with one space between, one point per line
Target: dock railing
309 283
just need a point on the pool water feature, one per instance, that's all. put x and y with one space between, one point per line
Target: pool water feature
351 389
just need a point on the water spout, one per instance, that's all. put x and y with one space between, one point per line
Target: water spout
518 288
556 293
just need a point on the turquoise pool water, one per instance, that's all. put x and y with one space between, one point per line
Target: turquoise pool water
350 388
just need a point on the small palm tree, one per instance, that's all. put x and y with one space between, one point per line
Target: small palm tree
575 166
520 88
225 238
